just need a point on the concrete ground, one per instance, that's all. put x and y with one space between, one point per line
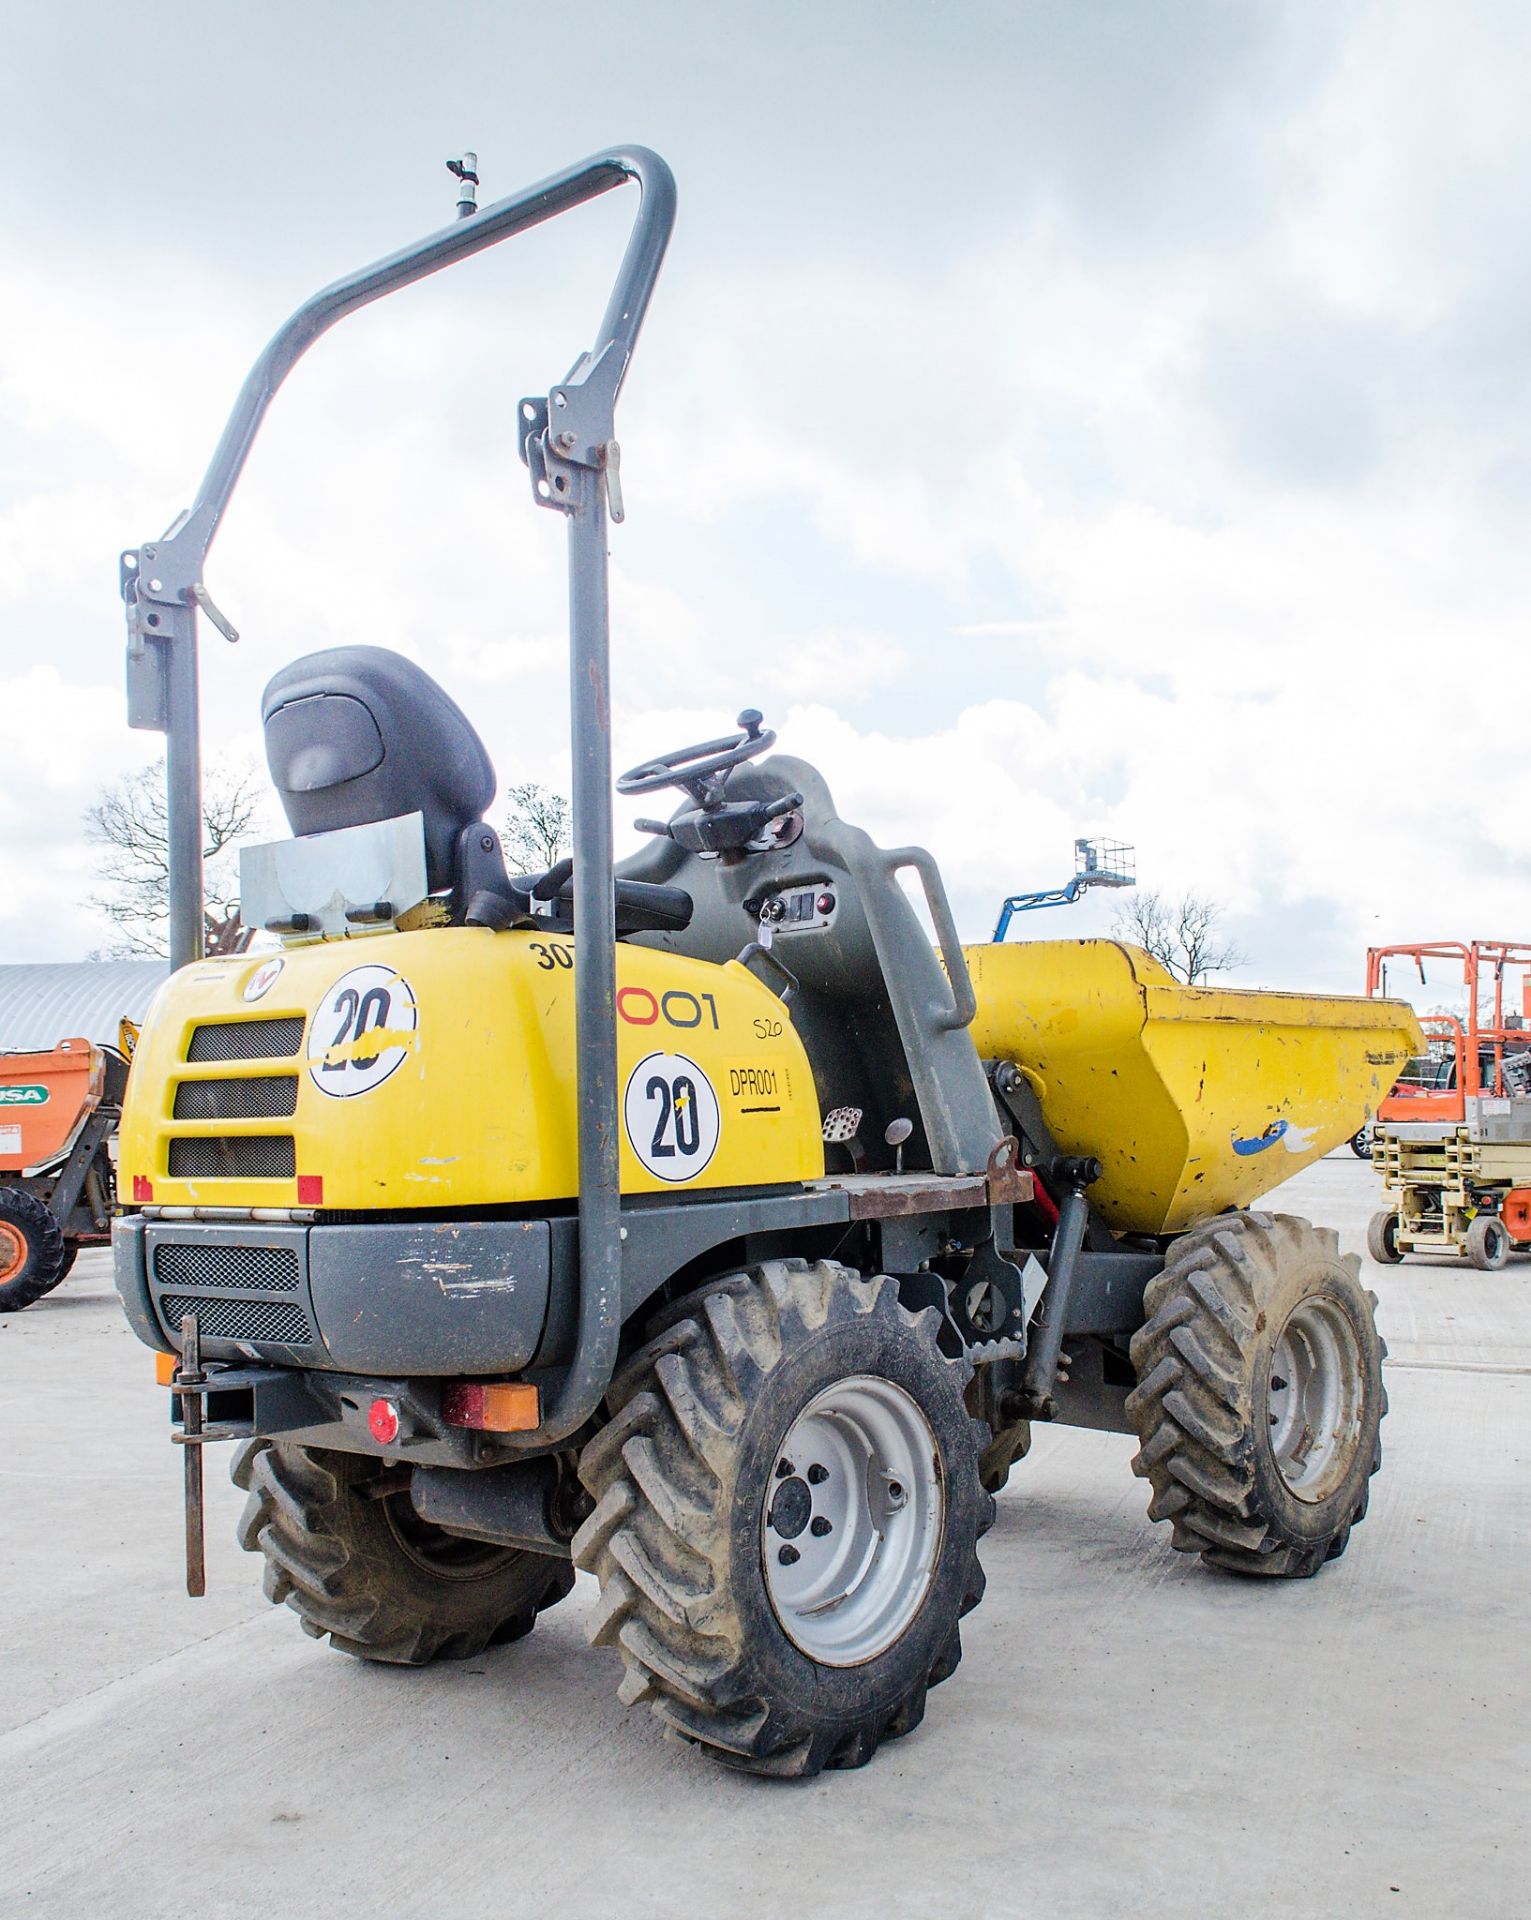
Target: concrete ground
1128 1734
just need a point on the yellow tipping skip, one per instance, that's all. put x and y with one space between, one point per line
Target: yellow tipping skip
1194 1098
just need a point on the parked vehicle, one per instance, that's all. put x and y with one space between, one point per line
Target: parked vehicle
1452 1140
59 1110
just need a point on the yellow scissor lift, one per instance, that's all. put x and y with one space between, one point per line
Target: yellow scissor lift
1452 1139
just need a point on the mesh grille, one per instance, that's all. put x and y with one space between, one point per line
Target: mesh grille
251 1320
270 1098
265 1269
261 1156
247 1040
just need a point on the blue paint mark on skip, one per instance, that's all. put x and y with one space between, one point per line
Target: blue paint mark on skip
1260 1141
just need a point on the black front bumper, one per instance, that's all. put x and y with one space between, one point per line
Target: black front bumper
437 1299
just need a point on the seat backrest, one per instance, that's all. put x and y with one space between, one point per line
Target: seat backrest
357 734
873 1004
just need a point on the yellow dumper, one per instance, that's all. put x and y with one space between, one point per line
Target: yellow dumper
1194 1099
686 1221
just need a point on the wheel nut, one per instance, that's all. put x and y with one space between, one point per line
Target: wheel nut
1278 1385
785 1469
788 1556
819 1527
817 1475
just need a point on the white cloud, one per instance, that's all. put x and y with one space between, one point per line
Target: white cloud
1153 463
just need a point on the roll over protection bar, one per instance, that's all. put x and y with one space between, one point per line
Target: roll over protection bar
569 444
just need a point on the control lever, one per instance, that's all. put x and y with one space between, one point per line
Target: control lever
200 595
753 816
554 880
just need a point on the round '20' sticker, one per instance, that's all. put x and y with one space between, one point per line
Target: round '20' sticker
671 1115
361 1031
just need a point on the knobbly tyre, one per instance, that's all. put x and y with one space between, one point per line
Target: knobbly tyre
692 1224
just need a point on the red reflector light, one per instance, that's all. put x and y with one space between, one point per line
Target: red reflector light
383 1422
491 1406
143 1189
310 1189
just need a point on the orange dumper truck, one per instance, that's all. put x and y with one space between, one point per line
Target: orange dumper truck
58 1116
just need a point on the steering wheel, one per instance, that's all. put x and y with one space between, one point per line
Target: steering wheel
688 766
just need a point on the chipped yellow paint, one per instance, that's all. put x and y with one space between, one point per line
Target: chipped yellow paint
481 1109
1159 1080
367 1046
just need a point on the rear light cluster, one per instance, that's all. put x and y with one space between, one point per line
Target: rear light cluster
502 1406
485 1406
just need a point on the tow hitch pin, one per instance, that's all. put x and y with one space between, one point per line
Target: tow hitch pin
188 1381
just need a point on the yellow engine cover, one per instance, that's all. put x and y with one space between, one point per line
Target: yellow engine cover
437 1069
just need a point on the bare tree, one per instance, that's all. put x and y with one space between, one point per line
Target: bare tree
536 828
1180 934
130 822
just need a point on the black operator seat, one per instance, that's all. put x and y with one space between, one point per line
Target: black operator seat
357 734
360 734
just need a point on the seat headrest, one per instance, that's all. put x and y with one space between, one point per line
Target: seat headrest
357 734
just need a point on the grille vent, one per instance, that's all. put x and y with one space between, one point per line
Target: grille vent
262 1269
246 1040
249 1320
267 1156
271 1098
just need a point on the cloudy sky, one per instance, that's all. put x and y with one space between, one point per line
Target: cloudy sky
1100 416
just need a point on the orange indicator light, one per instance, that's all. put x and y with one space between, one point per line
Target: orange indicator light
505 1406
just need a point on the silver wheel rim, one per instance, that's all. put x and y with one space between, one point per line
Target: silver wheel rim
850 1529
1315 1398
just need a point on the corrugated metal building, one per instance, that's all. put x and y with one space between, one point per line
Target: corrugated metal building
43 1004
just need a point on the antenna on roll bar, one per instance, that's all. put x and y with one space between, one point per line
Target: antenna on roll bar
466 171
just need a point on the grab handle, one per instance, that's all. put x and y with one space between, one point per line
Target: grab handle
964 1001
746 957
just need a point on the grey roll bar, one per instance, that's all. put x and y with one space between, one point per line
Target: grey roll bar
569 443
